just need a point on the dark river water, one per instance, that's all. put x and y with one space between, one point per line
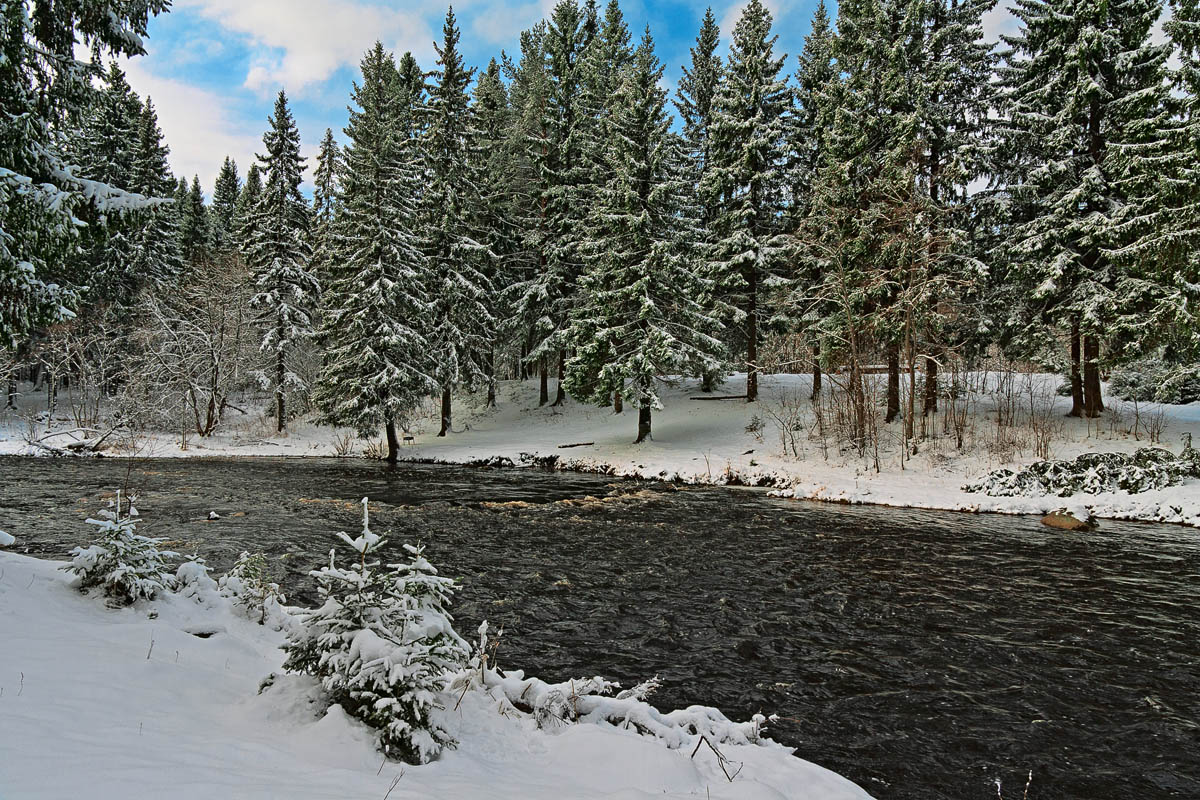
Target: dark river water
921 654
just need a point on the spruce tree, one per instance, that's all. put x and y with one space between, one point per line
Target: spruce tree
156 251
193 223
558 152
42 83
326 190
694 102
637 320
375 369
816 77
746 180
1083 86
496 169
224 207
278 255
456 254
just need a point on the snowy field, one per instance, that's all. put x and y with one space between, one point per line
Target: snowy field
715 441
98 703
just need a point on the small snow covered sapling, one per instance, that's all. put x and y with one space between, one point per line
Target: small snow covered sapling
250 586
129 566
382 644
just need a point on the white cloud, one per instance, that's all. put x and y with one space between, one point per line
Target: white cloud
999 21
308 40
734 13
195 125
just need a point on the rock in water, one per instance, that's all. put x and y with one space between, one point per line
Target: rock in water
1064 520
6 540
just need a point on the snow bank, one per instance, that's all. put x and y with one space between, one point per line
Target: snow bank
163 696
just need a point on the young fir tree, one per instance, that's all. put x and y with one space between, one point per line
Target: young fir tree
456 253
637 321
375 369
224 207
1082 82
326 189
42 84
278 255
557 150
496 169
382 644
745 180
694 102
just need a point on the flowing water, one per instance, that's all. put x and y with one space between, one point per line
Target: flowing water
921 654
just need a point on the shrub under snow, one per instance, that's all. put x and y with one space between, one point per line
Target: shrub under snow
249 585
1094 473
383 645
129 566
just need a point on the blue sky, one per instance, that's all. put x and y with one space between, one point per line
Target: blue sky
214 66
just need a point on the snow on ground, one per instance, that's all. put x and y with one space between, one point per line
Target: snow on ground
707 441
102 703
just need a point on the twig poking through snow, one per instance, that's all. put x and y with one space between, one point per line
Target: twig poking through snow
395 783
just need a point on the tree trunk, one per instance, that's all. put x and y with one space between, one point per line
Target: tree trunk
543 382
11 401
708 381
280 412
393 443
1076 379
445 411
1093 402
893 383
752 337
643 424
560 394
931 386
618 405
816 372
491 378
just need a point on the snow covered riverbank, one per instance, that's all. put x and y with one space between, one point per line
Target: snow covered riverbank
161 700
730 441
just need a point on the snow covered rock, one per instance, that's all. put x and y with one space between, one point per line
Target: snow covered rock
6 539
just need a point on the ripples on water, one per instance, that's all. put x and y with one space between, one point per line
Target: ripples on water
921 654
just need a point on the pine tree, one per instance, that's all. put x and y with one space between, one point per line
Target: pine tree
243 214
105 150
1083 86
638 321
375 370
455 253
278 255
746 179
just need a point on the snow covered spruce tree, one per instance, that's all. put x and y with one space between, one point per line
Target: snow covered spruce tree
157 250
128 566
637 320
457 257
326 198
376 367
224 207
808 126
745 182
1083 84
382 644
496 169
42 81
694 102
556 147
278 255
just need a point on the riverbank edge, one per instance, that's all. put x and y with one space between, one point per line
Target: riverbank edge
1115 506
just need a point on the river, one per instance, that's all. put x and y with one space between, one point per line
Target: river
921 654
